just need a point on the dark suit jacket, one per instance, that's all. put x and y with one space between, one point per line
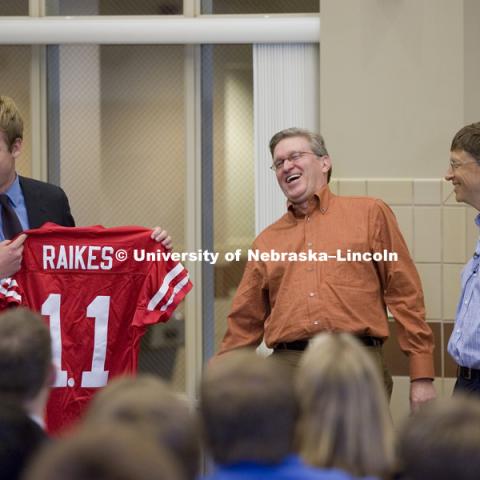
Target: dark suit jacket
45 203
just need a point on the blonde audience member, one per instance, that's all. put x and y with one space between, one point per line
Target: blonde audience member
344 417
248 414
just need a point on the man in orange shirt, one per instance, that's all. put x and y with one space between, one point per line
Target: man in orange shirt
319 284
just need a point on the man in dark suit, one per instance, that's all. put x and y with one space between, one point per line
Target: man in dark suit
25 203
45 203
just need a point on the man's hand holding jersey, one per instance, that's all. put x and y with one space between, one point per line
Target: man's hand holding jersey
11 255
162 236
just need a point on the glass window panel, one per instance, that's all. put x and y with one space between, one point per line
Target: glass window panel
259 6
15 65
114 7
13 7
233 167
122 155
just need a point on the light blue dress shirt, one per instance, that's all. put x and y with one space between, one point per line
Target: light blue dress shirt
17 201
464 344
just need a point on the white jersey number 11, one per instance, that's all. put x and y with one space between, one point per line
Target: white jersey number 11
98 309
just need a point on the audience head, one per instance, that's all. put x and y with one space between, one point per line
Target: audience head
146 404
248 409
110 453
26 368
441 441
344 417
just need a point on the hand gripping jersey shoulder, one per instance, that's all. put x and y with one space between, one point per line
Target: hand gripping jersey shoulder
97 289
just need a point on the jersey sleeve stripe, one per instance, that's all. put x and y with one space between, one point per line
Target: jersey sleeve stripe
6 284
179 286
162 291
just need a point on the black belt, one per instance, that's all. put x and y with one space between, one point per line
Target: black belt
468 373
301 345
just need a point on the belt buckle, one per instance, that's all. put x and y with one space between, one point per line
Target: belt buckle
465 372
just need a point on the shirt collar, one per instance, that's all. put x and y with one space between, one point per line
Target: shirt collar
477 220
14 192
38 420
321 201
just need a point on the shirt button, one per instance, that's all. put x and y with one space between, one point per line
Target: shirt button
316 322
311 294
308 219
309 244
465 302
458 330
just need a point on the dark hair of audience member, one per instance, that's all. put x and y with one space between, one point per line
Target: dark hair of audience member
107 453
247 409
441 441
25 354
145 403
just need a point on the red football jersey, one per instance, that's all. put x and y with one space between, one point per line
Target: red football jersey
97 288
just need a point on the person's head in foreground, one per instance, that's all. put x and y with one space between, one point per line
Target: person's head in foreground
441 442
104 454
344 418
147 404
248 409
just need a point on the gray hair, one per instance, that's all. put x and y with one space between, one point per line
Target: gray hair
317 143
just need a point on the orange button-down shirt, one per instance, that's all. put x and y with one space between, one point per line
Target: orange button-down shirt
284 301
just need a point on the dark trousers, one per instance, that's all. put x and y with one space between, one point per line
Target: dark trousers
292 358
467 386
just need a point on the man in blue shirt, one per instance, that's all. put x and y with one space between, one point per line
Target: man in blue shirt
464 344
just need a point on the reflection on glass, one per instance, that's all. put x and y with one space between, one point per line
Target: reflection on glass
233 167
122 155
259 6
114 7
13 7
15 68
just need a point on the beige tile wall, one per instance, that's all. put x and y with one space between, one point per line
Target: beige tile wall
441 236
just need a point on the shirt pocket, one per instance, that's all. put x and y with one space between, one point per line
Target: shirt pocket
350 273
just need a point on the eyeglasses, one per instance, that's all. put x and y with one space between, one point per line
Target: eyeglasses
294 157
455 165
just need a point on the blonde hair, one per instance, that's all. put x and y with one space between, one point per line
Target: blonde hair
11 122
344 418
